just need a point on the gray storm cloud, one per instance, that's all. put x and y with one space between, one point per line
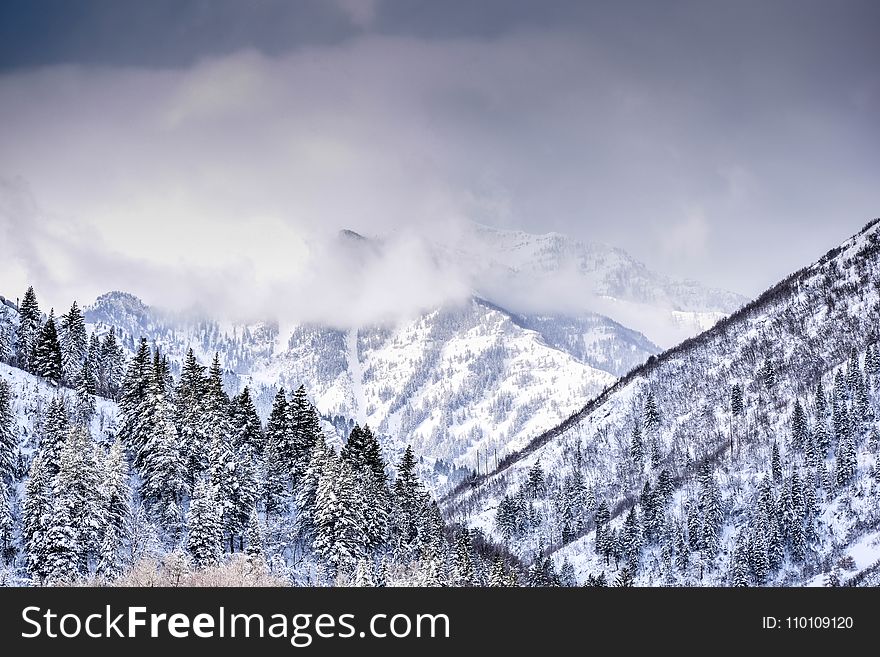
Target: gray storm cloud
224 183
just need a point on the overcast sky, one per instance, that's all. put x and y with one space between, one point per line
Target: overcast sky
198 148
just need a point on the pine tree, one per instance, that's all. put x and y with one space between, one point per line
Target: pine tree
739 575
8 434
566 574
768 374
55 426
636 450
536 481
158 459
6 342
79 503
111 365
861 404
363 574
632 540
46 357
29 323
464 567
846 461
36 516
74 343
204 522
776 463
798 427
7 525
682 553
651 414
254 548
86 388
134 401
736 400
497 576
275 484
303 431
758 549
117 512
407 501
625 578
278 430
852 372
338 526
307 490
839 414
710 503
603 516
246 426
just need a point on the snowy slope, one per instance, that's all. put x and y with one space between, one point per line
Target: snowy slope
31 395
806 326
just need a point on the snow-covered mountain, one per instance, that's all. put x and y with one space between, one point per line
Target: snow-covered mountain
756 475
466 382
459 383
555 274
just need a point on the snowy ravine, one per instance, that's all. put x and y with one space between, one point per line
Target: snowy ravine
765 433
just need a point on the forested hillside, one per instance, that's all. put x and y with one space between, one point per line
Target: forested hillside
745 456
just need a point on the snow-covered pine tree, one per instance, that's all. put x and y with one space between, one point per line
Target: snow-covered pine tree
798 426
303 430
7 344
497 576
117 512
632 540
254 549
363 574
651 413
846 461
536 481
86 387
74 344
204 525
36 513
464 567
277 439
46 355
246 426
29 324
8 435
307 491
159 461
636 449
112 365
7 526
601 520
776 463
338 523
852 372
189 403
407 499
81 508
768 374
682 552
736 400
55 427
134 400
566 574
739 562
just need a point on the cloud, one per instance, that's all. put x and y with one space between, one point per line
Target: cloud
226 181
361 13
688 238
